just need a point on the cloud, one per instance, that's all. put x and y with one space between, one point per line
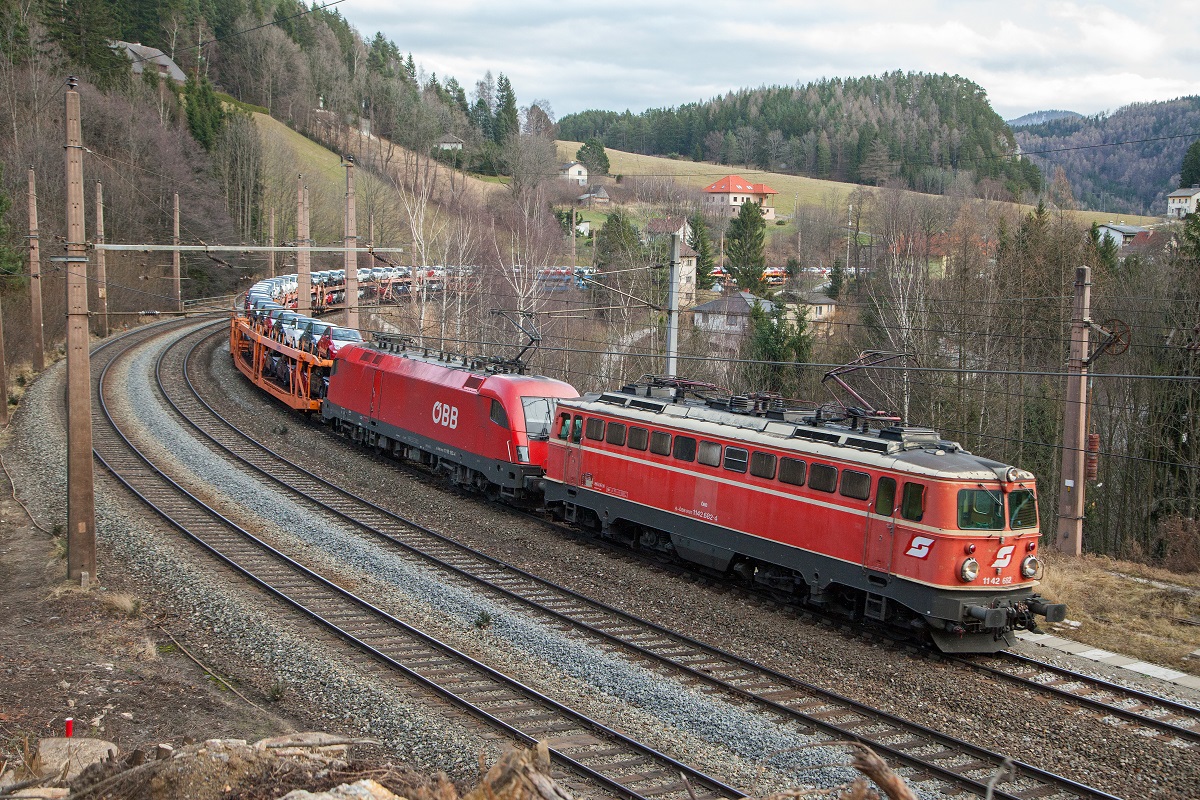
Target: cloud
637 55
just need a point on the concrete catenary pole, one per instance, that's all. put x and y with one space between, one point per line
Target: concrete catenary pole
81 497
303 265
673 308
3 377
175 265
101 273
351 260
272 241
35 280
1075 417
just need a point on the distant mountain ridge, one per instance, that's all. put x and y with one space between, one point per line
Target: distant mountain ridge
1038 117
1134 174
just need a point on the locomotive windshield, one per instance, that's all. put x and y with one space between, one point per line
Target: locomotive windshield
1022 509
980 510
538 414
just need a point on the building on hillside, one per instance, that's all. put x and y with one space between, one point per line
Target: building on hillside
727 196
666 226
729 313
450 142
1182 202
594 196
1120 233
820 309
151 58
573 172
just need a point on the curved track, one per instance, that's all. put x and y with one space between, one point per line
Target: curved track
603 757
825 715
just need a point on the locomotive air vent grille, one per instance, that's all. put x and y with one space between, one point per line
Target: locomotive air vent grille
377 358
614 399
780 429
818 436
873 445
365 355
646 405
473 382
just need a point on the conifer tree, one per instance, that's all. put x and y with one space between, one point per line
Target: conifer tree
701 242
1189 170
507 122
205 116
745 244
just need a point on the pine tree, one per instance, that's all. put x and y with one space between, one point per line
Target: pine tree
205 116
507 121
618 242
776 339
1189 170
701 242
745 243
11 263
591 154
84 28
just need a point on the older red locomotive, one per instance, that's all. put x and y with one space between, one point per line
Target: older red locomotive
896 524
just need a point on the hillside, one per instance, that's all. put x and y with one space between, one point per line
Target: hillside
1127 178
1038 117
923 128
809 191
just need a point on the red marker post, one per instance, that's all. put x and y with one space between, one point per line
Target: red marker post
70 726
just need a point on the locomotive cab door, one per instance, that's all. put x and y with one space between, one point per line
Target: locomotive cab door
881 527
574 452
376 392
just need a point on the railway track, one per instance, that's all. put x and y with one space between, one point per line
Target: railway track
927 754
603 757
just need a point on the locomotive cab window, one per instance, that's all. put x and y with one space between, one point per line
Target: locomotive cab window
791 471
980 510
762 465
595 429
685 448
638 438
823 478
885 497
660 443
498 414
856 484
564 426
538 414
912 506
710 454
1022 509
615 433
735 459
577 429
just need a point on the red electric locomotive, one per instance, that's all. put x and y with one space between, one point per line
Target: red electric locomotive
895 525
482 429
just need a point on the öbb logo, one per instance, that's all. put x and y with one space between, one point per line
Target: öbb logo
445 415
919 547
1003 556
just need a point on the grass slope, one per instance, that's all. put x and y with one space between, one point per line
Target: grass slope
791 188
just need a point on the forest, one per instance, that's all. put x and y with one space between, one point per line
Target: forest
923 129
1134 177
974 291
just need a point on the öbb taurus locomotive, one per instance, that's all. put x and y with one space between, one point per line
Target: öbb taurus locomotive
895 524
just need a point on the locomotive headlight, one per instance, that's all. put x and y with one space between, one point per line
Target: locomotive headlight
969 571
1029 567
523 454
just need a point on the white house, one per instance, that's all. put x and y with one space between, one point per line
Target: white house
150 58
1119 233
1182 202
450 142
727 196
729 313
574 172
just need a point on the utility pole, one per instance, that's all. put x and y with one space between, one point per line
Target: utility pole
81 493
304 276
302 255
849 216
1075 415
573 254
101 275
673 309
272 241
351 261
35 280
175 260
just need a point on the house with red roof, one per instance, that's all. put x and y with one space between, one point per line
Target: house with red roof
727 195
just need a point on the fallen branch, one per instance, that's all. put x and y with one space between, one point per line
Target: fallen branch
208 671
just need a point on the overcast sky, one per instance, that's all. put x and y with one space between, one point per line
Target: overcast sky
638 54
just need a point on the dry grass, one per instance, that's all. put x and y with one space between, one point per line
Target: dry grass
1127 608
791 188
121 603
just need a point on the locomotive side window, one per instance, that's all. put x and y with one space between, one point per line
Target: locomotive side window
762 465
980 510
856 484
685 448
595 428
791 471
498 414
823 478
638 438
710 454
885 497
615 433
1022 509
660 443
736 458
913 504
564 426
577 429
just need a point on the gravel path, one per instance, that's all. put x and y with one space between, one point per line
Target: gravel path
242 628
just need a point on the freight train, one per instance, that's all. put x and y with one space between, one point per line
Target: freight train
893 524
